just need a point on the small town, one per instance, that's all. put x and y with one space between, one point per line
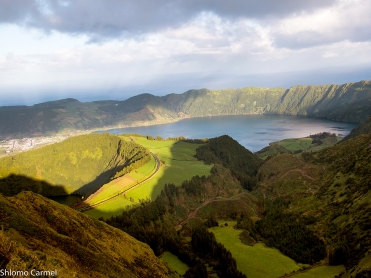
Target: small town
12 146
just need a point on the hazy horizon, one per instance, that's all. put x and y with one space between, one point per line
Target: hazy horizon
92 50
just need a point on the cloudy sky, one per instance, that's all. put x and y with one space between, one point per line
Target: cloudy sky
113 49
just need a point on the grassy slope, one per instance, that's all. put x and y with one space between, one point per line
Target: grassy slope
119 184
38 233
254 261
363 128
111 208
295 145
79 164
174 263
321 271
332 188
223 207
179 165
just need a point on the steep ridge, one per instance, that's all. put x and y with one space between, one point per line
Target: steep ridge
350 102
330 191
41 235
79 164
224 150
363 128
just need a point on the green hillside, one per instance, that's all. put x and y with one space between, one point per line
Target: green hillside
363 128
311 208
350 102
226 151
311 143
37 233
79 164
190 205
330 191
314 208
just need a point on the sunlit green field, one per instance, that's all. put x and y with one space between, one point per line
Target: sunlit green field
254 261
296 145
113 207
179 165
174 263
119 184
321 271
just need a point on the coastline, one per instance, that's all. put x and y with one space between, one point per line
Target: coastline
14 146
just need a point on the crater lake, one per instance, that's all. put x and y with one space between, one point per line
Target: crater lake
254 132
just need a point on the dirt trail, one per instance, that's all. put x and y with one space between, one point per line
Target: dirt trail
303 270
213 200
194 213
84 206
302 172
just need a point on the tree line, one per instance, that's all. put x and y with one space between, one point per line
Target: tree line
288 233
226 151
150 223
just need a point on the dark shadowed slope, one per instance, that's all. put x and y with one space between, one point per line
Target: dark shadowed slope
40 234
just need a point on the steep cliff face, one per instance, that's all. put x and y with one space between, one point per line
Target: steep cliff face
349 102
40 234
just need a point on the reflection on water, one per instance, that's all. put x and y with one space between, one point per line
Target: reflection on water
252 131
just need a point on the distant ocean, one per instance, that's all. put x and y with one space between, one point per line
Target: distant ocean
254 132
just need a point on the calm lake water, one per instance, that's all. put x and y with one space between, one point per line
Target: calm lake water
254 132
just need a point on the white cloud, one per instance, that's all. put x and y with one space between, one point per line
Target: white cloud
208 47
348 20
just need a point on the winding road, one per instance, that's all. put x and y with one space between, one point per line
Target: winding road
128 188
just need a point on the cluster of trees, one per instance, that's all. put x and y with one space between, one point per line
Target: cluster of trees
146 222
286 231
224 150
319 137
205 245
322 135
150 223
246 223
195 186
197 141
136 161
339 218
289 234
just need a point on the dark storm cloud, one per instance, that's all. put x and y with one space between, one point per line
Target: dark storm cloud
256 8
111 18
16 11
